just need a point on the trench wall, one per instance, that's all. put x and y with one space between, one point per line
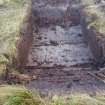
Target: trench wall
94 38
25 40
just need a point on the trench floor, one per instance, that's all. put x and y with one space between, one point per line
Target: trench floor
62 61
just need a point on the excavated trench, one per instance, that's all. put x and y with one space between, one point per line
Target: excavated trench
59 40
60 57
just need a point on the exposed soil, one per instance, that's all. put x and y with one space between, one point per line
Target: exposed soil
66 81
59 57
62 46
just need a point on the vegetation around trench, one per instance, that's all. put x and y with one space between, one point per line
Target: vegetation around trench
12 13
19 95
95 17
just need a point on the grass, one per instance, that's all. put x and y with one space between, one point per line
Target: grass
10 20
19 95
87 2
79 99
12 13
98 22
7 91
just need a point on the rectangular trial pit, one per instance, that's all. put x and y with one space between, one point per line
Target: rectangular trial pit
59 40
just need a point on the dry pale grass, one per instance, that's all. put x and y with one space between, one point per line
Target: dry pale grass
12 13
95 17
19 95
79 99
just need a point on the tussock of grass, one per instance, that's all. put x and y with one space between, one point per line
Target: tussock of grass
22 98
78 99
95 18
2 70
6 91
18 95
87 2
17 2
